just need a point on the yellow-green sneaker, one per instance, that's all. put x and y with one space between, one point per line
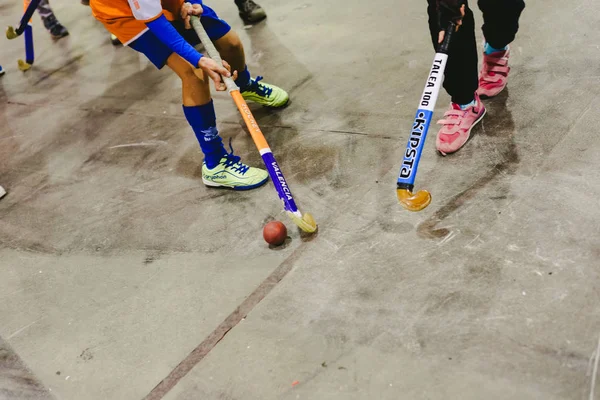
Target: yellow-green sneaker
265 94
233 174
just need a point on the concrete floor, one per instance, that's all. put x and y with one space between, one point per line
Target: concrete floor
123 277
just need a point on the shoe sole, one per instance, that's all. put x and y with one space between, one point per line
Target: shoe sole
284 105
58 37
236 188
469 134
486 97
248 21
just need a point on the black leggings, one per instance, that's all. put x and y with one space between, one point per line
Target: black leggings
500 25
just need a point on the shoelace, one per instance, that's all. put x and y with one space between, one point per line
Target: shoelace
234 162
259 88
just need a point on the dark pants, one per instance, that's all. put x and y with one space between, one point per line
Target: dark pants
500 25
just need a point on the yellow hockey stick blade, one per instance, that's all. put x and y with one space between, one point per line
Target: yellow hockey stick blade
23 66
306 223
11 33
413 202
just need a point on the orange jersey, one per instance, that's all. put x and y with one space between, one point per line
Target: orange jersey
126 19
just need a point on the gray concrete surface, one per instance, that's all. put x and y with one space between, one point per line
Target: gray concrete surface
117 266
16 380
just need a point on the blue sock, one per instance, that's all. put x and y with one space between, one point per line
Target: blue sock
465 106
243 79
204 123
487 49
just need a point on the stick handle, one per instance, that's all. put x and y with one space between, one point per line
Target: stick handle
211 50
29 10
29 52
420 127
445 45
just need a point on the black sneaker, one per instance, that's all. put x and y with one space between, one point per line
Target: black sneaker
114 40
57 31
250 12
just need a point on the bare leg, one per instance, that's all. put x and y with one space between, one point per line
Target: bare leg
231 49
194 83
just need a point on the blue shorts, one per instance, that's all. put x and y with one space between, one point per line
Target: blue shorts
158 52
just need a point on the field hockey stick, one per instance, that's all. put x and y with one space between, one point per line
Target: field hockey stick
408 171
25 27
305 222
24 65
11 32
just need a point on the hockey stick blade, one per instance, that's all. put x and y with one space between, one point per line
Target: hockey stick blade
306 223
413 201
11 33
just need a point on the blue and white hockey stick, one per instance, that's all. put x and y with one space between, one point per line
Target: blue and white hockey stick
408 171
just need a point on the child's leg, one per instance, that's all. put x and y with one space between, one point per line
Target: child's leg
220 168
195 89
44 9
501 23
198 109
461 82
461 71
231 49
56 30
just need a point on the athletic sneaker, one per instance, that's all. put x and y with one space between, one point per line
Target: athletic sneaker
1 70
2 192
265 94
457 125
57 31
250 12
114 40
233 174
494 73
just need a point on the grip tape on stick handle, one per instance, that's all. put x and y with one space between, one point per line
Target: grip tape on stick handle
211 50
445 45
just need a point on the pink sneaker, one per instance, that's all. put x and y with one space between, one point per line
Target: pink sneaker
457 125
494 73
